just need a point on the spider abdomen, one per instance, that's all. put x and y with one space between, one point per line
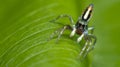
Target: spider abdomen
80 29
79 32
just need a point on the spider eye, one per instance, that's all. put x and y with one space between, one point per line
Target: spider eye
87 13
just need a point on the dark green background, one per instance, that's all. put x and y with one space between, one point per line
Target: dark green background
24 29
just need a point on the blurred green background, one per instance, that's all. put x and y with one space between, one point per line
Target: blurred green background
24 28
107 52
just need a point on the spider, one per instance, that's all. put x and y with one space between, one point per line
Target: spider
81 28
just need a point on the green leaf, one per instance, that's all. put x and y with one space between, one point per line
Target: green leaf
25 29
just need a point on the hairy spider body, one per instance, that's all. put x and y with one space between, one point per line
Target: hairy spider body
81 28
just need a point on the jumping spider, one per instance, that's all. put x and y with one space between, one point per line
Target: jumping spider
81 28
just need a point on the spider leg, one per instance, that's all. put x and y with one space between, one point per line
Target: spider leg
84 48
54 33
60 32
80 38
91 45
73 31
63 29
62 16
91 29
83 34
